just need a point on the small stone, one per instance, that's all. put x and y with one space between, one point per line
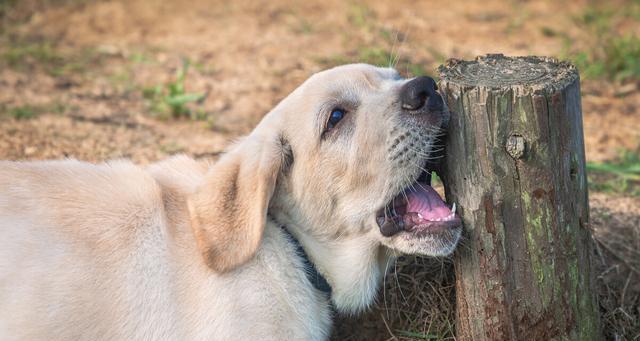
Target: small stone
30 150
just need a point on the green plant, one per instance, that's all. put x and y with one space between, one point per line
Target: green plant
517 21
596 19
375 56
360 15
17 55
621 57
172 98
141 58
23 113
24 55
26 112
435 179
608 54
618 176
301 25
617 58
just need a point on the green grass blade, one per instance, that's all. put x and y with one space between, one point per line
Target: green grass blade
179 100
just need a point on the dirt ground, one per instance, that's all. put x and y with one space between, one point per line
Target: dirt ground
82 70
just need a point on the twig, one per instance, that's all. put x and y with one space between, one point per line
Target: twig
393 336
104 120
624 289
620 258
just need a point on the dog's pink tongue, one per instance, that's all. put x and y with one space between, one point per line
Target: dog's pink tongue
424 200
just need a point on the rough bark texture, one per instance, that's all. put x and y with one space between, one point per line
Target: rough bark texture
515 167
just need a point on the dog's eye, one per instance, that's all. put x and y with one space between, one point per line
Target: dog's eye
336 116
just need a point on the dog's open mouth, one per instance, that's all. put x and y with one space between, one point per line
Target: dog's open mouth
419 209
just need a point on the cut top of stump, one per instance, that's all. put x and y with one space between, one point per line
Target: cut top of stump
497 71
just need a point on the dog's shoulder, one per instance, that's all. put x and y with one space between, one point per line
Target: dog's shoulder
88 201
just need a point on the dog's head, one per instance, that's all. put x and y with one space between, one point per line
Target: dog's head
344 155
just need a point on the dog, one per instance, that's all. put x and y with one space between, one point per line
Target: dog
298 219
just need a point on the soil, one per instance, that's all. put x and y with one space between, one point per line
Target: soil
245 56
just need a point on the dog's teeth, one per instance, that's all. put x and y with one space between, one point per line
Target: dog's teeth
420 216
453 208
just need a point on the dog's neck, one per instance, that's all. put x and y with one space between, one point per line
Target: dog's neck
353 267
316 278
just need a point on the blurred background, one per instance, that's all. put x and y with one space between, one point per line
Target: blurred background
97 80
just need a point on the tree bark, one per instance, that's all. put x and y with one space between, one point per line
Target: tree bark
515 167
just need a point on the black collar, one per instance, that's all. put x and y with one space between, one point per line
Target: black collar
317 280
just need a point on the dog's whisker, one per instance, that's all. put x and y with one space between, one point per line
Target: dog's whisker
392 52
405 38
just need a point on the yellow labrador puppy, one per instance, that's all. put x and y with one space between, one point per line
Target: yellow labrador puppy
305 213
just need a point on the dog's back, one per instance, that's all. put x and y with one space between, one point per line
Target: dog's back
66 229
107 252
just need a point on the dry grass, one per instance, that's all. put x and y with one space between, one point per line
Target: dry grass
616 231
416 303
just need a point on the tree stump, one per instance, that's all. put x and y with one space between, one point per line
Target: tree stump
515 167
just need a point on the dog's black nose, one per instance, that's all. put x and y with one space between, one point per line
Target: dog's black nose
420 93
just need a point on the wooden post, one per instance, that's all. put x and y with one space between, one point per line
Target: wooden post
515 167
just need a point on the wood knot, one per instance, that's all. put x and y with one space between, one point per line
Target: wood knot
516 146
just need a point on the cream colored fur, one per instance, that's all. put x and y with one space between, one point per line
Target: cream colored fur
187 251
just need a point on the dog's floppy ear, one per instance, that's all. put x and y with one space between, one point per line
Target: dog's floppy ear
229 210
